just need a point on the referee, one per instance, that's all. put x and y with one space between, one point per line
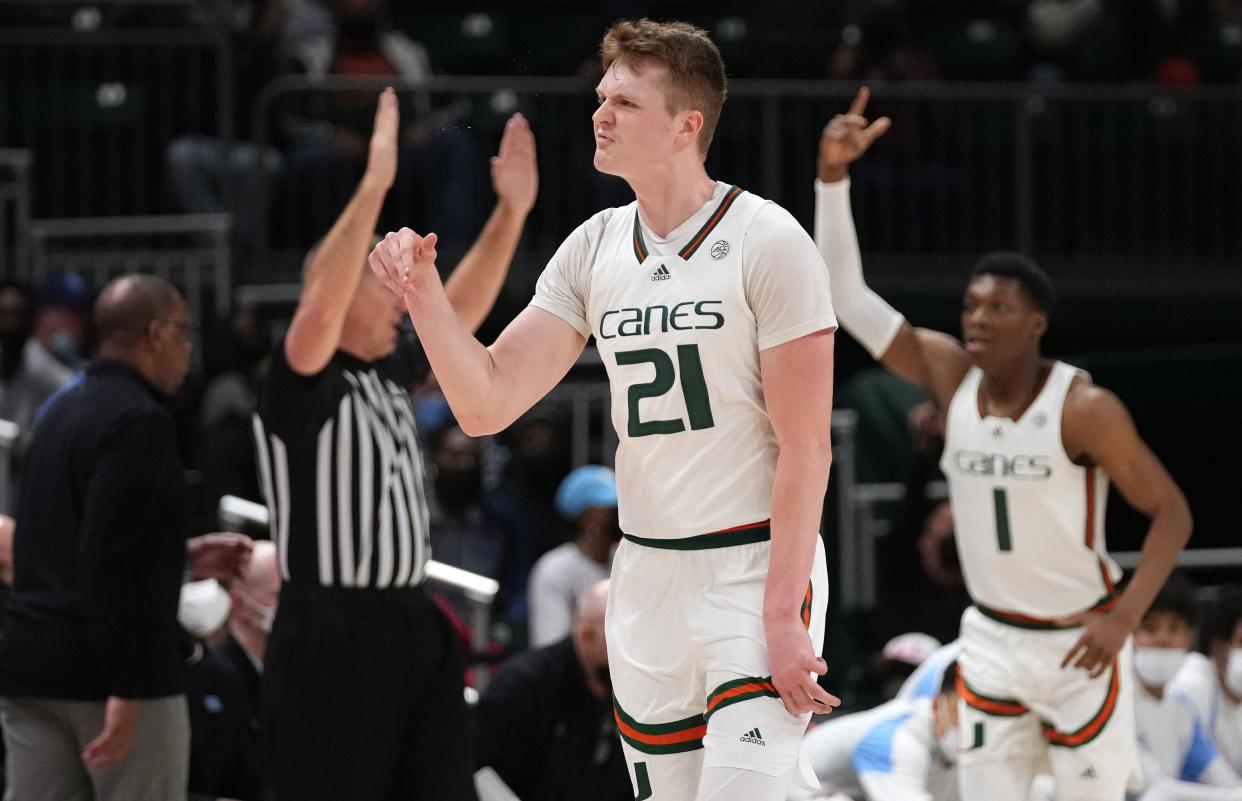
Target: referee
363 677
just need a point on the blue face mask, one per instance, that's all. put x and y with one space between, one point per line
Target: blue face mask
65 346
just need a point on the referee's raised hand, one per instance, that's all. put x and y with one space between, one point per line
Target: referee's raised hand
382 153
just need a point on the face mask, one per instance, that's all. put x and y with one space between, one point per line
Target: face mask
203 608
65 347
1233 673
261 616
1156 667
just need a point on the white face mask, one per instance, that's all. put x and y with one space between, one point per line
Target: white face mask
1156 667
950 744
203 607
1233 672
261 616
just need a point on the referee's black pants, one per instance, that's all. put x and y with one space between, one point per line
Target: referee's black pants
363 699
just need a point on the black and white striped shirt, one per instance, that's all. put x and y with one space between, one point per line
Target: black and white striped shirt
342 473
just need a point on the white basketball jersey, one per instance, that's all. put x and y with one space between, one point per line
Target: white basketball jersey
1029 522
679 324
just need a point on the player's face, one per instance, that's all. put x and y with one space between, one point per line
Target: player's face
1163 630
999 322
633 127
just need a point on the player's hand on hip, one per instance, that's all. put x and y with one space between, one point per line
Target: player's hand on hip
794 667
847 137
403 259
515 174
1103 635
382 151
114 742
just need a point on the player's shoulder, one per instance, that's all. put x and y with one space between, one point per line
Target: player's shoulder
595 225
1092 404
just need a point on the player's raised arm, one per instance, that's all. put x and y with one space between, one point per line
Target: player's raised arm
332 277
476 281
929 359
487 388
1097 427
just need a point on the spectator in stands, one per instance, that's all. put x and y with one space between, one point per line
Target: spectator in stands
904 750
225 689
227 452
539 460
545 722
28 376
91 678
63 318
1177 754
470 528
587 498
438 180
1213 685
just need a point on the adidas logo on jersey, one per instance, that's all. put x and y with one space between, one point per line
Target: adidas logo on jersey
753 736
661 274
1089 773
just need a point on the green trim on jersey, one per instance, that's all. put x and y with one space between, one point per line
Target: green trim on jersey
760 532
640 244
731 194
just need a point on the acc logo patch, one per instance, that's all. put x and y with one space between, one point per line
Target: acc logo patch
720 249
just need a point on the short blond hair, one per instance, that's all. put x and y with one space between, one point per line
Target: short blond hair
696 73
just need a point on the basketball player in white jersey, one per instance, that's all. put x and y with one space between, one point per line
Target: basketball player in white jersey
711 310
1030 447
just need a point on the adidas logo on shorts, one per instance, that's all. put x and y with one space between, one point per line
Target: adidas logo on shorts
661 274
753 736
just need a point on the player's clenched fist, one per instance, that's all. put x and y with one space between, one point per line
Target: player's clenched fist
402 260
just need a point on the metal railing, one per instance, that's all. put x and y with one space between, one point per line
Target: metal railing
191 250
478 591
15 167
98 90
1122 176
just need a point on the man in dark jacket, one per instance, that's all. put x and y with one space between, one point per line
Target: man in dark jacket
545 723
91 678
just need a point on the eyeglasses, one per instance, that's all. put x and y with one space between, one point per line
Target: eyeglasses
184 326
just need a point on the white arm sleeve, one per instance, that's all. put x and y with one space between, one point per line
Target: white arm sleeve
866 315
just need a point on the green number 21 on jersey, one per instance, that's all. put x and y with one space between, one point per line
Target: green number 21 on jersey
693 389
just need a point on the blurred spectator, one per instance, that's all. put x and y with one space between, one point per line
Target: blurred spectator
538 461
63 317
437 181
28 376
545 722
588 499
203 174
227 453
904 750
225 696
470 527
1177 755
1213 685
91 678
